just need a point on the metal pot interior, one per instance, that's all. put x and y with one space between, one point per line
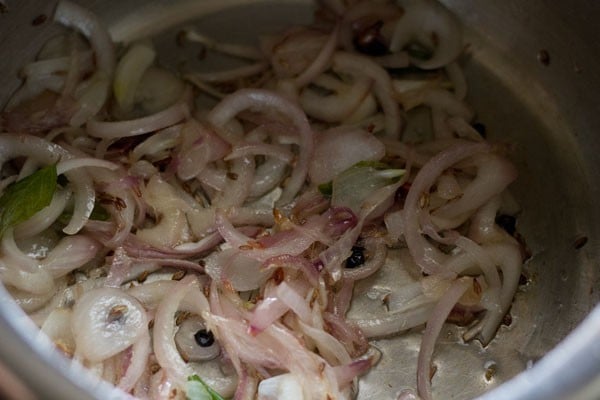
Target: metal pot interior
546 111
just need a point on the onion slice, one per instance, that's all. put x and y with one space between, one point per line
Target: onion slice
160 120
106 321
268 101
164 345
432 331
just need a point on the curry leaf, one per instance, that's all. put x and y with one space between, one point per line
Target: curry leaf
353 186
196 389
22 199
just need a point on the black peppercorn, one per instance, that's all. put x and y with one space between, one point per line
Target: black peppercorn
357 258
204 338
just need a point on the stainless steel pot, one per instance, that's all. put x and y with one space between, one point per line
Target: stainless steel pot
534 81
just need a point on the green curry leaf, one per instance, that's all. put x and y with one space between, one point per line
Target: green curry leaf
22 199
196 389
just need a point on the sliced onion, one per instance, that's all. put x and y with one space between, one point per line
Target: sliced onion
347 373
105 322
361 65
122 207
394 223
268 101
294 301
129 73
432 331
271 150
296 50
508 257
422 21
158 90
73 15
269 310
428 257
30 302
284 386
292 242
337 150
172 227
156 145
13 255
77 163
277 347
346 99
494 174
349 334
483 228
296 263
247 387
165 349
391 324
237 187
18 145
58 328
57 64
457 77
267 176
39 282
241 272
71 253
236 50
328 346
85 199
483 259
229 75
160 120
140 353
321 61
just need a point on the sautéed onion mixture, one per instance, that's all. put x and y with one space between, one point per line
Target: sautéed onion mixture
184 250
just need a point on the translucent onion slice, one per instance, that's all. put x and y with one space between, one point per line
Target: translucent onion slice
423 21
73 15
164 345
268 101
58 328
70 253
432 331
162 119
428 257
338 149
140 352
106 321
129 72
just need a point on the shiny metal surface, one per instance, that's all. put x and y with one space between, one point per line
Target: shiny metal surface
551 116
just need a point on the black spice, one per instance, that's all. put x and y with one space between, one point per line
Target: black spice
357 258
204 338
